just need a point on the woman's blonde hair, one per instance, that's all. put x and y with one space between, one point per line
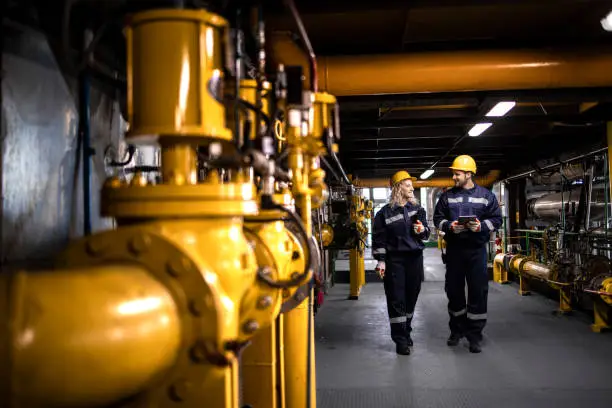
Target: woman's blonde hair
396 198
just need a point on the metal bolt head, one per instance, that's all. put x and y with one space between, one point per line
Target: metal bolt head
178 266
179 390
198 352
264 302
95 246
196 306
250 326
295 255
265 270
299 296
140 244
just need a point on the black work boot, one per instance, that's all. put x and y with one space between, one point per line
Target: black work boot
475 347
453 339
402 349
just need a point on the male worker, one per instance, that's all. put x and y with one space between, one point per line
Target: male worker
466 250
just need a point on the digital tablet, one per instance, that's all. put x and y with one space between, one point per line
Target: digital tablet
464 219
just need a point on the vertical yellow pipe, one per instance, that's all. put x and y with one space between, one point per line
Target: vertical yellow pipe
361 264
354 272
259 362
297 341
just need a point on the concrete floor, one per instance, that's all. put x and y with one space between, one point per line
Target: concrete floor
531 358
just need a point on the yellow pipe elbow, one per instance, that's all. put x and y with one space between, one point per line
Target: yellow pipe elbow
86 336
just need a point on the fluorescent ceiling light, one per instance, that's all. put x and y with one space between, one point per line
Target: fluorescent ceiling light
501 108
606 22
426 174
478 128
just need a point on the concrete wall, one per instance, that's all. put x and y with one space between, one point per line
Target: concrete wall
41 166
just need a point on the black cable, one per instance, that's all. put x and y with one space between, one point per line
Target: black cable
254 108
144 169
331 169
314 76
298 280
327 135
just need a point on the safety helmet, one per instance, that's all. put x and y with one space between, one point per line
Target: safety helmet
464 163
400 176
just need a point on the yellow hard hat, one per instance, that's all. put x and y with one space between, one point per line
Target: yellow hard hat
464 163
400 176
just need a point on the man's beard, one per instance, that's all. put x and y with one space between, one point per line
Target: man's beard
460 183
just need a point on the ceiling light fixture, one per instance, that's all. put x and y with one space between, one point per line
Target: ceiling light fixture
501 108
478 128
426 174
606 22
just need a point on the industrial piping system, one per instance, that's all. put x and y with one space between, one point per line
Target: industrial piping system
486 180
458 71
157 312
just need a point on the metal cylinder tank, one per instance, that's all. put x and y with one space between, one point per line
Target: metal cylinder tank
548 207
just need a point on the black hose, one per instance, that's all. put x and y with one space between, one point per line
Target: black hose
314 76
330 169
327 135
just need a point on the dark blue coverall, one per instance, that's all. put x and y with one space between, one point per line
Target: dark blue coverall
395 242
466 257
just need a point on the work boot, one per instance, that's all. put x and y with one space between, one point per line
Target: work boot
453 340
402 349
475 347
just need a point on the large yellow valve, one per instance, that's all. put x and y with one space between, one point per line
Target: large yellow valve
156 312
203 293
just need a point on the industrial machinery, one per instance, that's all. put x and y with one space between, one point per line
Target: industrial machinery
561 236
205 287
347 229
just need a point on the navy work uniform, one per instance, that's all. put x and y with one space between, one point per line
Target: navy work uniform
466 257
395 242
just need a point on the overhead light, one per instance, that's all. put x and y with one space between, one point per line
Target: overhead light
501 108
478 128
426 174
606 22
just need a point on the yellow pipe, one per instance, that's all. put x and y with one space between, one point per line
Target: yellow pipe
355 261
296 339
86 336
500 275
179 164
456 71
536 270
486 180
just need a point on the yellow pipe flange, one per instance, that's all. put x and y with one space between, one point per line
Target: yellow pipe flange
273 249
186 201
209 266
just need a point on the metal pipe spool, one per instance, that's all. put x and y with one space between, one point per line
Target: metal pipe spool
549 207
